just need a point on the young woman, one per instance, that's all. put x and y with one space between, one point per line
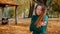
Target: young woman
40 12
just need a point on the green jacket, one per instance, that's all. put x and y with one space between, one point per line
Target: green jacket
33 27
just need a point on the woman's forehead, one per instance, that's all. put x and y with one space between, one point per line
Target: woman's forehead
39 7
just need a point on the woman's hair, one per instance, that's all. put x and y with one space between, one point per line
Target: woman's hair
43 8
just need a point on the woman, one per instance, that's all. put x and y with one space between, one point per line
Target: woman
38 11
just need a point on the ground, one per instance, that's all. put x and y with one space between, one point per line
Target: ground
23 27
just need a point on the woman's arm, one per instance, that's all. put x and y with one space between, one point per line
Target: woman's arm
32 26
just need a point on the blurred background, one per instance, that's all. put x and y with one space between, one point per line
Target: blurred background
23 15
24 9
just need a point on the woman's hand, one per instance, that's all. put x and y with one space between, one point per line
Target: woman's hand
43 23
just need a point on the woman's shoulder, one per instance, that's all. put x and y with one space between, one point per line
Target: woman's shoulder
33 15
46 15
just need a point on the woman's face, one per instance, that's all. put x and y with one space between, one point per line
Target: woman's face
38 10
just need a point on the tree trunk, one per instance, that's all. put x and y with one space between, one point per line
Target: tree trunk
31 10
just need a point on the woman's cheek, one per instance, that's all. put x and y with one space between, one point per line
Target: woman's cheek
37 12
40 12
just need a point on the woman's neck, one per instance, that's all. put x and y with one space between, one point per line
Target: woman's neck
38 15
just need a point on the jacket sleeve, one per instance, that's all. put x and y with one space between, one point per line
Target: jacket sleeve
32 26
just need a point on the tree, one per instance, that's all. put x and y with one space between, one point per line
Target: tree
56 6
31 9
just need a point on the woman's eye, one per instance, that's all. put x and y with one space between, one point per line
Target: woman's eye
39 9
